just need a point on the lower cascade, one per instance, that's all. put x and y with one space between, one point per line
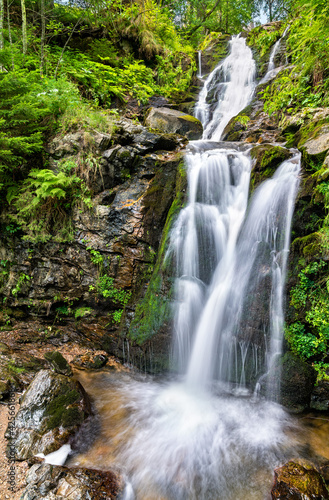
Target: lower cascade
215 431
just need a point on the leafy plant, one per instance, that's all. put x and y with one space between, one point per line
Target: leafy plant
44 204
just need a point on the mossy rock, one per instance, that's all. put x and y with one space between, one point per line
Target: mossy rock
153 314
171 121
52 410
266 158
299 480
58 363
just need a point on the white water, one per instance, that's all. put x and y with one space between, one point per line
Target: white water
272 71
227 90
193 439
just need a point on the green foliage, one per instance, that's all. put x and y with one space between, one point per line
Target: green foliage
81 312
86 117
22 279
307 84
310 298
44 203
263 40
243 120
322 370
95 256
107 289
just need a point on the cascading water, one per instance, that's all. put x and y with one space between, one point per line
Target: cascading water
272 71
192 439
227 90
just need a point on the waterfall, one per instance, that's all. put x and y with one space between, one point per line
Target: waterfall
227 90
225 256
271 69
189 438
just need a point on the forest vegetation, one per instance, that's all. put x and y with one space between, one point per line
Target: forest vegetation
71 66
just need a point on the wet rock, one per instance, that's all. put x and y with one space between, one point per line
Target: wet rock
298 481
297 382
319 143
267 159
172 121
90 361
52 409
58 363
54 482
320 396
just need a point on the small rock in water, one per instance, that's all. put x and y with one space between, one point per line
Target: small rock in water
90 361
298 480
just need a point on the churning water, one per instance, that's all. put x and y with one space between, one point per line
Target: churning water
208 435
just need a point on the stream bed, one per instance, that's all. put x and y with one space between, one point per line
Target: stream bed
174 444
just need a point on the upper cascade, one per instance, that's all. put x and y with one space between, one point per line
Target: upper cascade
227 90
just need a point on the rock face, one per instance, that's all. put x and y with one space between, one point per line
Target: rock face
267 159
51 411
320 396
133 180
319 144
297 382
298 481
53 482
172 121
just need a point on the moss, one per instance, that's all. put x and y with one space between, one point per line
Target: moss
192 119
154 311
72 417
57 410
58 362
308 245
267 159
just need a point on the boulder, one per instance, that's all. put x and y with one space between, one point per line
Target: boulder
297 380
54 482
176 122
52 410
267 159
58 363
319 143
298 481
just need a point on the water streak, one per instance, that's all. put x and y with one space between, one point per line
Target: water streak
272 70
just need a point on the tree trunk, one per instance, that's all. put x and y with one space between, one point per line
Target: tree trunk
1 23
66 43
43 36
1 28
9 35
226 16
24 28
